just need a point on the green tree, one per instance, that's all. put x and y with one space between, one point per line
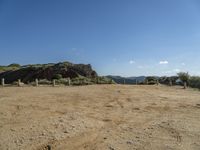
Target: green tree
184 77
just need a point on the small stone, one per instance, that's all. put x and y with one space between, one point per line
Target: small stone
12 129
66 131
61 120
129 142
111 148
43 134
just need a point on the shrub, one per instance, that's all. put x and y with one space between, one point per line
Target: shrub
151 80
102 80
194 82
44 81
64 81
81 81
57 76
166 80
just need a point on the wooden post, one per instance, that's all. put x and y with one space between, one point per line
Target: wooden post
170 83
54 82
79 82
3 82
185 85
97 80
124 81
19 82
36 82
69 81
157 82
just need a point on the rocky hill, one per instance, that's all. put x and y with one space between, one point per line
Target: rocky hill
29 73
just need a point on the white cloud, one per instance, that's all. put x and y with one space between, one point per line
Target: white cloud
131 62
163 62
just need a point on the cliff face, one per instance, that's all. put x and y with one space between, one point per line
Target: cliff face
48 71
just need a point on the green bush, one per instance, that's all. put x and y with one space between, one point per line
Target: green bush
151 80
194 82
57 76
44 81
103 80
81 81
64 81
166 80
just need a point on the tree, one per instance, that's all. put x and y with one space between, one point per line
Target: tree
184 77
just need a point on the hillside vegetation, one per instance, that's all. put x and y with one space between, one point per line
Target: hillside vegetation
79 74
9 67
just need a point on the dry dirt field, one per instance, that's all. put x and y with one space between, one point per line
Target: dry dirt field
99 117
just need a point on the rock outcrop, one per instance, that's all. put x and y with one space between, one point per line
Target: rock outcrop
29 73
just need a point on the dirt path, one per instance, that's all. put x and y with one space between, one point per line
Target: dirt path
112 117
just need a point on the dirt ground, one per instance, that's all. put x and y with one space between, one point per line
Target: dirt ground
99 117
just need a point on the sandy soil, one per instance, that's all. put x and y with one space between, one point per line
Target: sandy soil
99 117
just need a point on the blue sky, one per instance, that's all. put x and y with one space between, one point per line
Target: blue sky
118 37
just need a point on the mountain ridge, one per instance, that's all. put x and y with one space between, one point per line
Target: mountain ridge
127 80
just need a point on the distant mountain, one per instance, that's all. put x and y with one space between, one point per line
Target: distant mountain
127 80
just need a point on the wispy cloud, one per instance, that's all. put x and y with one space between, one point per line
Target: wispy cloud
131 62
183 64
163 62
176 70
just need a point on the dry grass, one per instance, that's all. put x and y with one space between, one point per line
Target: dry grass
99 117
